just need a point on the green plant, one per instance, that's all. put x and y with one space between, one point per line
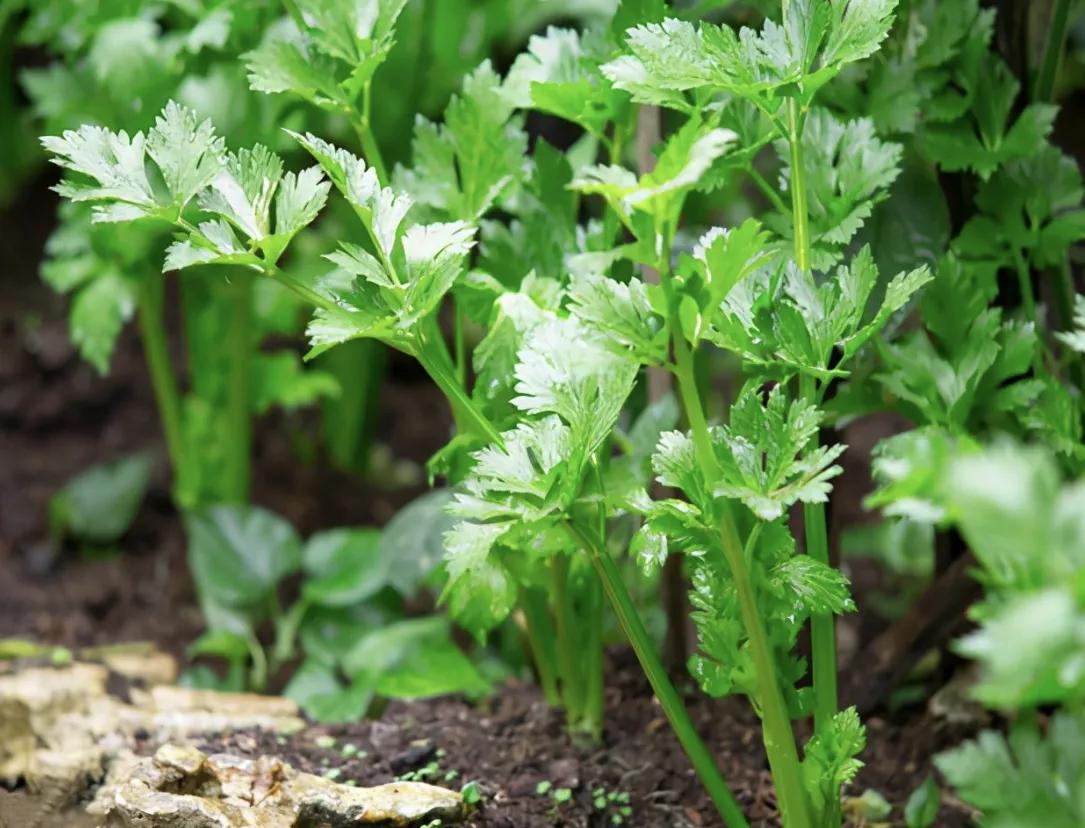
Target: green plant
555 451
98 505
1023 525
356 644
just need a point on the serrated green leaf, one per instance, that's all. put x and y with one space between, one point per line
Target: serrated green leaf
479 593
98 313
622 312
1022 778
831 759
462 168
412 541
188 153
764 457
279 379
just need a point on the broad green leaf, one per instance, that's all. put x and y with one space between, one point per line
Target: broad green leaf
411 543
623 314
98 505
685 160
565 370
1031 651
186 152
729 255
669 59
559 73
381 209
983 140
344 567
286 62
1008 504
414 658
1031 207
324 697
1025 778
243 191
921 809
238 554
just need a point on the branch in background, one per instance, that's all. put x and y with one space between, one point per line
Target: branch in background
931 622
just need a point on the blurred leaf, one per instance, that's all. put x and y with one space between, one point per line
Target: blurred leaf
412 541
98 505
238 554
921 809
344 567
324 697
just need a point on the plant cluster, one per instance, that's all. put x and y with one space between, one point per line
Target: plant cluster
541 289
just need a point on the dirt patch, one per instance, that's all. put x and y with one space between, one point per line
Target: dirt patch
513 742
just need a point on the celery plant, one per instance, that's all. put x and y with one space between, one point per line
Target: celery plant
547 480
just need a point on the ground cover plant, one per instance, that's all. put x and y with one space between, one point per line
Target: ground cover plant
652 321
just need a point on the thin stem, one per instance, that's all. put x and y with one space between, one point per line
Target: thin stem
669 700
822 625
778 736
167 396
1044 92
460 341
798 186
239 417
823 628
467 414
370 148
593 659
286 632
1044 89
572 688
1024 283
766 188
541 637
258 674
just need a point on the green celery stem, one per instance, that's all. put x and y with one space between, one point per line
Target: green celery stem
239 345
668 697
572 687
778 736
540 638
152 331
822 625
823 634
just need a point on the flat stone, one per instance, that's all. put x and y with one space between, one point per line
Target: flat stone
181 788
64 734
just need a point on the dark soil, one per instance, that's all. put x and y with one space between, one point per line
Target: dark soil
513 742
57 417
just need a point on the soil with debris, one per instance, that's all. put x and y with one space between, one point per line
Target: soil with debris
515 747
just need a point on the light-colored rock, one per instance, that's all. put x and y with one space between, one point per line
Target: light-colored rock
62 731
181 788
178 712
